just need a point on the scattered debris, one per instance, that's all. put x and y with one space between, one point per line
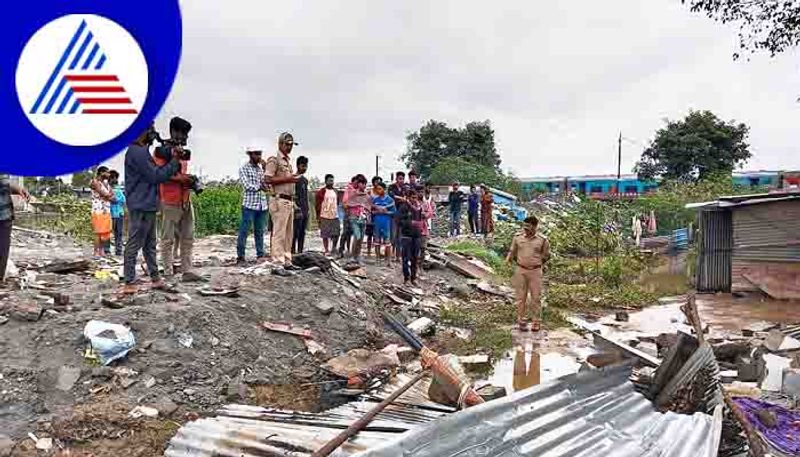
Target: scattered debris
500 291
185 340
476 360
774 377
422 326
777 425
68 267
31 312
621 316
111 303
3 320
151 381
43 444
287 328
314 348
143 411
218 292
360 362
109 341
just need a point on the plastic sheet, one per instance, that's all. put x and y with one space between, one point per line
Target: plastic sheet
785 435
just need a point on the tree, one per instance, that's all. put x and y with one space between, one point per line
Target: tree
458 169
691 149
82 178
764 25
436 140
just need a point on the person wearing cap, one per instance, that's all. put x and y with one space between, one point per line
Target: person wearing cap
530 250
254 206
280 175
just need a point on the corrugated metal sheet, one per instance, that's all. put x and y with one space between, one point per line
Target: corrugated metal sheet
588 414
584 415
714 254
243 431
769 232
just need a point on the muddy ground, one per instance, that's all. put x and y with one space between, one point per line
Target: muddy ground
45 378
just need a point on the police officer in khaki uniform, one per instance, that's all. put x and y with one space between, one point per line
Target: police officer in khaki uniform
530 251
281 177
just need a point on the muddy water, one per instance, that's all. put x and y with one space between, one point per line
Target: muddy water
538 358
724 314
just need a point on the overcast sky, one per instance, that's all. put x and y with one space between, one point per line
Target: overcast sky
558 80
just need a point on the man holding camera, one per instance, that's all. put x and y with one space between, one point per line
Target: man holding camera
142 177
176 203
280 175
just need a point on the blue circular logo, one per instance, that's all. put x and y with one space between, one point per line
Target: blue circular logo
89 77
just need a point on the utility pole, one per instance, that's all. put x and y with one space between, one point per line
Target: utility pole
619 161
377 165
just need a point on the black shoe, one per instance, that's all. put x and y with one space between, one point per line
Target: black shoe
290 267
240 262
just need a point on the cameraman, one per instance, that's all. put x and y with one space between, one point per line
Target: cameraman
142 177
176 202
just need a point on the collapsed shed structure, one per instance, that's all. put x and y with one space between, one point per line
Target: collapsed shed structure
750 243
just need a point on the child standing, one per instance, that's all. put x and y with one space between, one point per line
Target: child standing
117 211
357 205
383 210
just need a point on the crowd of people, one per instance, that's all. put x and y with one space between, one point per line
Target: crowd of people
394 219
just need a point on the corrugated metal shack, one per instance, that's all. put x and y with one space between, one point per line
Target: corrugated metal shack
750 243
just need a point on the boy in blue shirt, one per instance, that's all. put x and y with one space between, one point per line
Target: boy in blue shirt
383 210
117 211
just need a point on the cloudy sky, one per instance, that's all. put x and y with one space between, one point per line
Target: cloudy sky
558 80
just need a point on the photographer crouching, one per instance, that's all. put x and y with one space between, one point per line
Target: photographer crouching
142 177
176 201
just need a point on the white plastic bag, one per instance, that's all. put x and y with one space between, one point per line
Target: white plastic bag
115 343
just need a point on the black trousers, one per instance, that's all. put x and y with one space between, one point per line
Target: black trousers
299 239
5 246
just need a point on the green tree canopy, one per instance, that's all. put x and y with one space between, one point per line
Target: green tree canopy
82 178
457 169
764 25
696 147
436 141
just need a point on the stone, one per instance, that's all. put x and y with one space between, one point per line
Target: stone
189 392
151 381
3 320
490 392
236 390
167 408
621 316
791 382
67 377
461 291
774 340
6 446
325 307
474 361
422 326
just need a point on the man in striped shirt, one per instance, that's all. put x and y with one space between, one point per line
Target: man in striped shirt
254 205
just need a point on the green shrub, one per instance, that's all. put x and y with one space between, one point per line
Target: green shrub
218 210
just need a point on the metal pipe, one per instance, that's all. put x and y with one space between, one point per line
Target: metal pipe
406 333
361 423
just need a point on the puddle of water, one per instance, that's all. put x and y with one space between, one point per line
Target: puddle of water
668 278
724 314
533 361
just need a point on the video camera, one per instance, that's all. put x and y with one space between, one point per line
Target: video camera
165 152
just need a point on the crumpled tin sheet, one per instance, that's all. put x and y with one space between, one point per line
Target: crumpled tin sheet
590 414
594 414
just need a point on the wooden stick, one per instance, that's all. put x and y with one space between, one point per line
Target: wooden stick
360 424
